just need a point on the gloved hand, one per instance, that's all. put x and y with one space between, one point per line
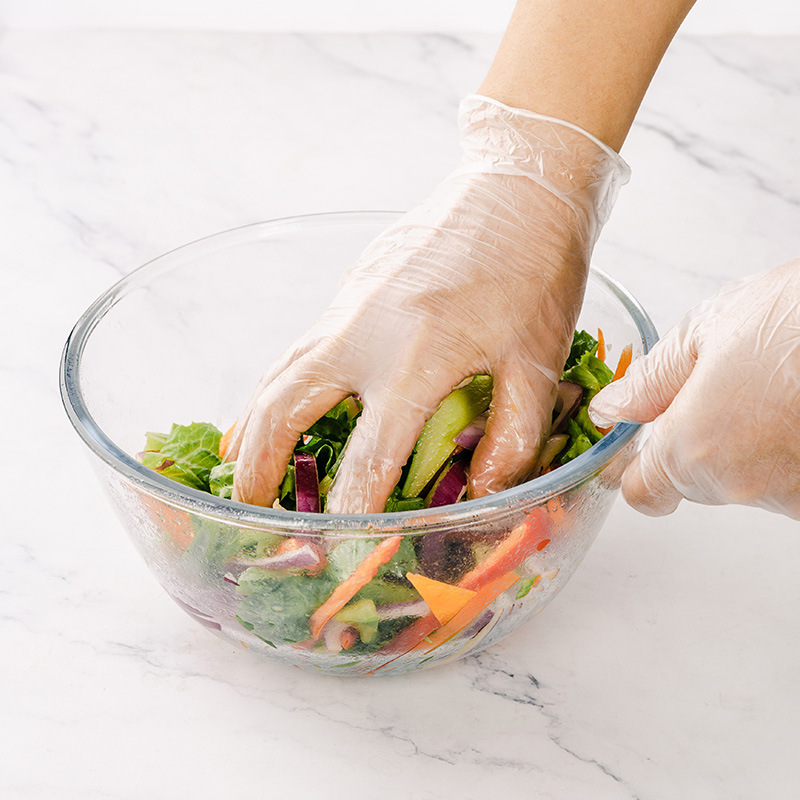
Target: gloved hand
486 276
723 387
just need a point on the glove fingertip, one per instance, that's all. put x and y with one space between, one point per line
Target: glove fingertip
492 472
605 416
649 492
250 487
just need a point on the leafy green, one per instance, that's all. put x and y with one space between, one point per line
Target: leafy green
591 373
582 343
154 441
327 437
385 591
187 454
362 616
396 501
586 425
220 480
403 561
404 504
579 442
525 586
347 555
279 606
584 367
215 544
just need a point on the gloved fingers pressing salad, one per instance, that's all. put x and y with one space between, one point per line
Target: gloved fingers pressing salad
518 424
379 447
489 271
285 408
724 391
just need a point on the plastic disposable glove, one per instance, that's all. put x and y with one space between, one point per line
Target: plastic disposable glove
723 387
484 277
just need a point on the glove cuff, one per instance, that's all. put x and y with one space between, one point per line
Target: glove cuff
559 156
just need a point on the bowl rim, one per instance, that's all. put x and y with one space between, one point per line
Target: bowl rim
530 493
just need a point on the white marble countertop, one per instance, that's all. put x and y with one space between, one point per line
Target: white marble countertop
667 668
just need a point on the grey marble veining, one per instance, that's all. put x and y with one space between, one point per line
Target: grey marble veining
667 667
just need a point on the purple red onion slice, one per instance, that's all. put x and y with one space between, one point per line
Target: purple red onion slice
306 482
450 487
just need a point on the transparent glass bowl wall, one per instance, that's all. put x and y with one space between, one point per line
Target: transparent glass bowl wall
186 337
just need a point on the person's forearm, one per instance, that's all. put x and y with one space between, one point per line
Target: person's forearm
588 62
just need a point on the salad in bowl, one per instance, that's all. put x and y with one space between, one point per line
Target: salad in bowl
435 576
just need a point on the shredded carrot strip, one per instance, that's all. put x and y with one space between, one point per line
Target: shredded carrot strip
349 587
557 511
225 441
624 362
601 345
409 638
523 541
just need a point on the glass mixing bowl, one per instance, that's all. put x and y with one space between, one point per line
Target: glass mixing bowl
186 337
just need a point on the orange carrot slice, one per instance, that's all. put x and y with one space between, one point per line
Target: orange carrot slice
174 522
557 511
624 362
225 441
444 600
357 580
522 542
601 345
526 539
288 545
482 598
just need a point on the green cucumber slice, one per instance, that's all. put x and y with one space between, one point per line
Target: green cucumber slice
435 443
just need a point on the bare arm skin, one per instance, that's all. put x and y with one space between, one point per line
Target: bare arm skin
588 62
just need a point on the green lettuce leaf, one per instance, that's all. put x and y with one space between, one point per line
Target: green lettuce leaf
583 343
278 607
578 443
396 501
215 544
327 437
187 454
385 591
584 367
591 373
362 616
155 441
586 425
346 556
220 481
588 371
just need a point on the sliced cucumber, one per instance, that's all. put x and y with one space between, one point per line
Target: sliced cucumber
435 443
